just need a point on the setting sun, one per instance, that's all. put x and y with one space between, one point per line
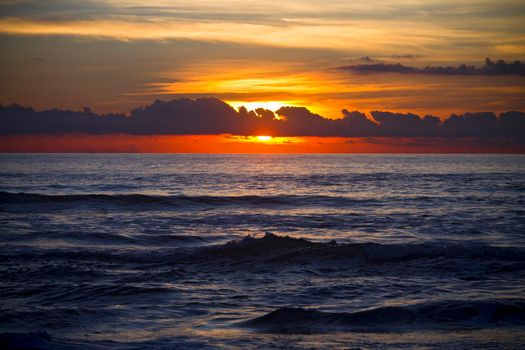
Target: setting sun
264 138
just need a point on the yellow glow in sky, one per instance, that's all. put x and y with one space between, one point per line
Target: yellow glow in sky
270 105
264 138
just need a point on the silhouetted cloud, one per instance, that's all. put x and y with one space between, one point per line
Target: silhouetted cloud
367 59
213 116
499 67
398 124
185 116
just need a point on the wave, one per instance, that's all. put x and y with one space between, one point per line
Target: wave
283 251
110 256
44 341
146 201
22 201
279 249
446 314
106 238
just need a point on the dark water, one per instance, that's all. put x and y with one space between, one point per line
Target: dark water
262 251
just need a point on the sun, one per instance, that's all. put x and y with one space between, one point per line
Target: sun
264 138
251 105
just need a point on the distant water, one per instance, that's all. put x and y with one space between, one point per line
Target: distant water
262 251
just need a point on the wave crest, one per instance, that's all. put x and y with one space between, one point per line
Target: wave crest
278 249
442 314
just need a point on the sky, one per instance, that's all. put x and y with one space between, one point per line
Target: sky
326 56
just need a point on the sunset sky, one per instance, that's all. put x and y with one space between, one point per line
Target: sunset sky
114 56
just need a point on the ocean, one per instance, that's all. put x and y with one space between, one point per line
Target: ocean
202 251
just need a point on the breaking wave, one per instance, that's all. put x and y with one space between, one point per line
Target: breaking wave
274 248
436 315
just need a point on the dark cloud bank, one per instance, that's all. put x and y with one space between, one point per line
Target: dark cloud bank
213 116
499 67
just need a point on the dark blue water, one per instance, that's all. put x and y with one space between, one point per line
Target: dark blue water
262 251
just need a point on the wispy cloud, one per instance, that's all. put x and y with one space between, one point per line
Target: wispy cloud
406 28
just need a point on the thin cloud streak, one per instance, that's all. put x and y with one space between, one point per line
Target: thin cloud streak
300 36
372 36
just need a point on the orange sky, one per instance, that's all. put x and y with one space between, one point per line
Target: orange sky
116 55
248 144
113 56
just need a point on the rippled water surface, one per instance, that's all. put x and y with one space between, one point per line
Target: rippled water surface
262 251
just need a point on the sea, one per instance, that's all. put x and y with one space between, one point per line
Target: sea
262 251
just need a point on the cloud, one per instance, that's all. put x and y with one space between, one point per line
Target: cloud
407 57
213 116
450 29
499 67
185 116
367 59
358 123
398 124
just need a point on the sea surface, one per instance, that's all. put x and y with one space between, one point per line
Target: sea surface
135 251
